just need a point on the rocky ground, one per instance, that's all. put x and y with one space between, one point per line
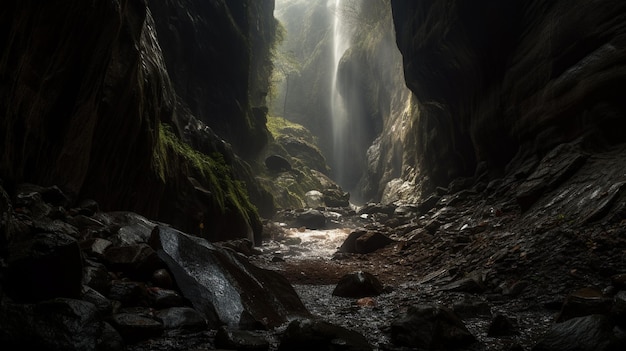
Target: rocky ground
534 261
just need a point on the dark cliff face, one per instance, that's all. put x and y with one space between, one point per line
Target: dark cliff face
501 81
86 90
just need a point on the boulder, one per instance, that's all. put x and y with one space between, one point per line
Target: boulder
363 242
358 284
314 199
312 219
223 285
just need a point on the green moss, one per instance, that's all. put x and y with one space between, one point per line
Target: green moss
172 156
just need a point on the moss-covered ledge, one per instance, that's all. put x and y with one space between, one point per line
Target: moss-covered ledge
212 201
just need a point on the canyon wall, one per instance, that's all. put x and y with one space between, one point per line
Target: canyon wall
104 99
500 83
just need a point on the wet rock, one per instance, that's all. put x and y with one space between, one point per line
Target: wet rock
431 328
224 286
316 335
589 333
138 261
45 267
162 278
358 284
240 340
130 228
184 318
135 327
276 163
584 302
95 247
314 199
558 165
164 298
502 325
312 219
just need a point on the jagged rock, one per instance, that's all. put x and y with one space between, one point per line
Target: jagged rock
95 247
184 318
240 340
276 163
224 286
589 333
130 228
431 328
311 218
316 335
358 284
44 267
558 165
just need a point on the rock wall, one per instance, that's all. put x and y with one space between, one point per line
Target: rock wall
501 83
87 91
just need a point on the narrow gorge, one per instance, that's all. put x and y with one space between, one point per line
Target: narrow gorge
313 175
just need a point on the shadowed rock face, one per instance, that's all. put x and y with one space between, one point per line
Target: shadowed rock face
498 79
85 90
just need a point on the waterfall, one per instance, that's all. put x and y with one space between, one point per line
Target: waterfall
339 113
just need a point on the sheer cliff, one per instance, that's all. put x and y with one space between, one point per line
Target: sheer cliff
104 98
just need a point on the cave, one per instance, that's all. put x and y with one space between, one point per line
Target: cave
313 175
